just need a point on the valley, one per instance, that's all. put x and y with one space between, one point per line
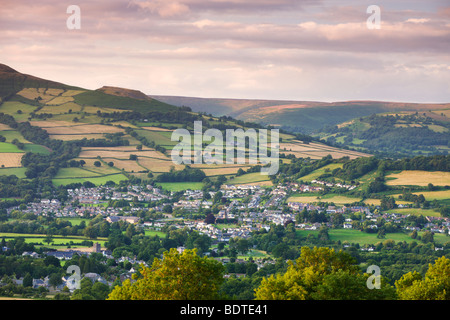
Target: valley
87 178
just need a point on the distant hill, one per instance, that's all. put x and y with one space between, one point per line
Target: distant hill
122 92
299 116
74 136
12 81
220 106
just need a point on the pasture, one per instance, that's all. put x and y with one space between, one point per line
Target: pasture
180 186
79 175
317 173
250 178
12 107
97 180
362 238
8 147
58 241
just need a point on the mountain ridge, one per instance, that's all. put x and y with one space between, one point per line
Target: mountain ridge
286 113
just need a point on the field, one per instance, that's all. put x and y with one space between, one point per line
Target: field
12 107
79 175
418 178
8 148
435 195
10 160
416 212
356 236
317 173
180 186
251 178
64 105
316 150
10 135
311 198
58 241
81 129
161 138
99 180
19 172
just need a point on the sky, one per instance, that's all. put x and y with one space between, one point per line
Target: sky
305 50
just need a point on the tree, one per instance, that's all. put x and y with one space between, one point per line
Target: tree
97 163
210 218
185 276
427 236
316 274
434 286
27 280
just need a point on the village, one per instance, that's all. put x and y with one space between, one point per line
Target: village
242 209
246 208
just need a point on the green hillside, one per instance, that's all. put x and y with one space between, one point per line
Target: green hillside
12 81
404 134
101 99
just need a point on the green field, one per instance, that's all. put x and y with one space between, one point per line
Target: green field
180 186
249 178
356 236
38 239
10 135
161 138
97 180
317 173
416 211
152 233
19 172
11 108
9 147
36 148
435 195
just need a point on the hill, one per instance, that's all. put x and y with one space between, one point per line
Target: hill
70 135
299 116
393 134
344 124
12 81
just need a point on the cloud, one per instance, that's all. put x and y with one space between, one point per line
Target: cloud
164 8
282 48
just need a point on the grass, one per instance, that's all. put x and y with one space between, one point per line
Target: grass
97 180
317 173
39 238
11 107
163 138
249 178
435 195
416 212
100 99
10 135
75 173
19 172
9 147
356 236
180 186
36 148
152 233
